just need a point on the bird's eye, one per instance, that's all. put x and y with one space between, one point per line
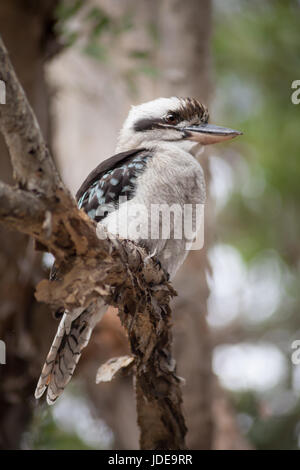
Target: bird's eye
171 118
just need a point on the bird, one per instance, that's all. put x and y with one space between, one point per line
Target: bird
154 164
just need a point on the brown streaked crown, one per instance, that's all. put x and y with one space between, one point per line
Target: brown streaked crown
190 109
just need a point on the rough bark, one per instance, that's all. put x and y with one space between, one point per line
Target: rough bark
117 270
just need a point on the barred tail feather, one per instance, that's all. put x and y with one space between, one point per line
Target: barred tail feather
71 338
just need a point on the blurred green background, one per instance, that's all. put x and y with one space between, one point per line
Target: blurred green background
256 50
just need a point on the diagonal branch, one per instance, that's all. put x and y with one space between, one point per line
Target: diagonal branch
118 271
33 166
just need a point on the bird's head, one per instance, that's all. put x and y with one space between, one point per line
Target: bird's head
176 120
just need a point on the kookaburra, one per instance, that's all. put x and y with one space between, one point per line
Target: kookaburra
154 165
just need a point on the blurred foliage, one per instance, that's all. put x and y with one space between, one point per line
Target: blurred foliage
256 50
45 434
268 432
97 32
71 424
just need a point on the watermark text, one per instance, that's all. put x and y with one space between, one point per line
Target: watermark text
2 352
2 92
295 96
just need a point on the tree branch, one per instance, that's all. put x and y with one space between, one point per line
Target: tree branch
118 271
33 166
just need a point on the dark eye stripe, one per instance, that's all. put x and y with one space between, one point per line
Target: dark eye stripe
147 124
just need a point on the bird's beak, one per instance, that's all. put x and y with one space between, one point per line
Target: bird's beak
209 134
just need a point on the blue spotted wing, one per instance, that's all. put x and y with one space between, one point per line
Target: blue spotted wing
112 179
102 188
